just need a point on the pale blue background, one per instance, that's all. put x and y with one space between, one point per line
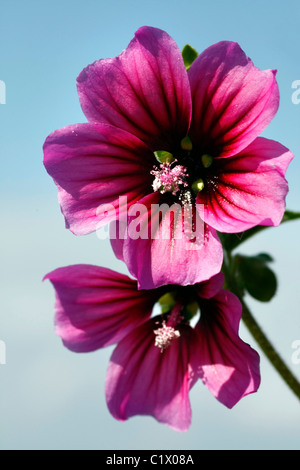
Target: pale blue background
51 398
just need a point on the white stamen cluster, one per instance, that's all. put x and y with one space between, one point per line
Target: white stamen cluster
168 179
164 336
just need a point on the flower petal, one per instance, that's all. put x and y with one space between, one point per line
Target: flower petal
233 101
248 189
228 367
92 166
143 381
162 250
145 90
96 307
208 289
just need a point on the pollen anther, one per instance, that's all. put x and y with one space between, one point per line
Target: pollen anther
198 185
164 336
186 143
206 160
168 178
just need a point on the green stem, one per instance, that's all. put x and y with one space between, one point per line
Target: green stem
269 350
256 330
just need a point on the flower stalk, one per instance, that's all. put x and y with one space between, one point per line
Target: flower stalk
269 350
255 329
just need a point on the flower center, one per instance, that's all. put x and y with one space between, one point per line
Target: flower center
187 173
169 178
177 309
168 332
164 336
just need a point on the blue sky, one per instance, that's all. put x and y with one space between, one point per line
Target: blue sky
51 398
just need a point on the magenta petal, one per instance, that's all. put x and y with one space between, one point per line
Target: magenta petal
211 287
96 307
143 381
145 90
92 166
233 101
248 189
167 255
228 367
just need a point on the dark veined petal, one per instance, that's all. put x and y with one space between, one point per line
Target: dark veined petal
96 307
92 166
208 289
143 381
233 101
160 246
145 90
228 366
248 189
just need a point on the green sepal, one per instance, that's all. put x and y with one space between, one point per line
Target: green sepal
191 310
162 156
254 276
167 302
189 54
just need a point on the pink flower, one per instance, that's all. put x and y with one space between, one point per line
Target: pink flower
158 358
208 119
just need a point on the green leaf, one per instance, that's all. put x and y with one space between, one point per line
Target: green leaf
189 54
256 277
232 240
265 257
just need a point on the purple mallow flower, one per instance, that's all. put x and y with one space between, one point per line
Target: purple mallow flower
159 135
159 356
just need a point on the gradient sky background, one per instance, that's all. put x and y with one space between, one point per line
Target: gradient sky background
51 398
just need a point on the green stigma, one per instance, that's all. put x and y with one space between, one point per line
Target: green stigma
198 185
206 160
186 143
